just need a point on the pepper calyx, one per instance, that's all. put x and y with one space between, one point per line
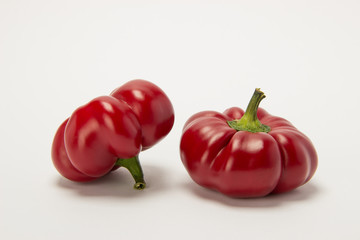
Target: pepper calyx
249 121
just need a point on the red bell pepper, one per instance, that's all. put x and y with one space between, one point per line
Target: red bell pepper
249 154
110 131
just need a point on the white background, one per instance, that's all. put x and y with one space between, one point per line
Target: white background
206 55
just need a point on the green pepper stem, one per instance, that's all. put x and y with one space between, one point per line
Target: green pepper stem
249 121
134 167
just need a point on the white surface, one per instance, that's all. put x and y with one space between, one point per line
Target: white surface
57 55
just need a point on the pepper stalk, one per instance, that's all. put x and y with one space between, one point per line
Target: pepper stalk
133 165
249 121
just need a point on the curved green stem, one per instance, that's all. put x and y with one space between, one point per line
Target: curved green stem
134 167
249 121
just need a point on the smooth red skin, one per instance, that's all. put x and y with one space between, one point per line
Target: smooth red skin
245 164
109 128
61 159
99 133
151 106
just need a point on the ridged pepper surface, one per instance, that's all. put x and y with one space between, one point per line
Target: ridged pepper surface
246 154
110 131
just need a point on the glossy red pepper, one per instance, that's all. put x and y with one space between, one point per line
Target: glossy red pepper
110 131
249 154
